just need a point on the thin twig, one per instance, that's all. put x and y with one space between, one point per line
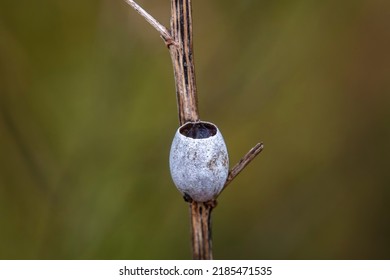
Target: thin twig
165 34
243 163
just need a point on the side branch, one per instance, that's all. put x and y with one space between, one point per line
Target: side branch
165 34
243 163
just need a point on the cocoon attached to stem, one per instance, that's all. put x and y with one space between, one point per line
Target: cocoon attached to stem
199 161
198 158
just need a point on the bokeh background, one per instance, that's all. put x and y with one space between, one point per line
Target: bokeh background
88 112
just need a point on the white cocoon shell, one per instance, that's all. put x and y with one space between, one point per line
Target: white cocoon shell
199 167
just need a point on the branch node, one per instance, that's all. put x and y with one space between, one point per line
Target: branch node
170 42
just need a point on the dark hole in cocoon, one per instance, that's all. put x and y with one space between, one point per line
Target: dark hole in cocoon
198 130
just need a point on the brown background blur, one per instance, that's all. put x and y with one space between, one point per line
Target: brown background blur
88 112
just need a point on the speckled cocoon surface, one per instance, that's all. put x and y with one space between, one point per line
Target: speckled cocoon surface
199 167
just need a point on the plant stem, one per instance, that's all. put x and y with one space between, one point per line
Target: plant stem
201 230
182 56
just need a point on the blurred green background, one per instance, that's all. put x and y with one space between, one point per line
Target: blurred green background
88 112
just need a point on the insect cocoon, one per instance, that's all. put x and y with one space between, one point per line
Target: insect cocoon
199 161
